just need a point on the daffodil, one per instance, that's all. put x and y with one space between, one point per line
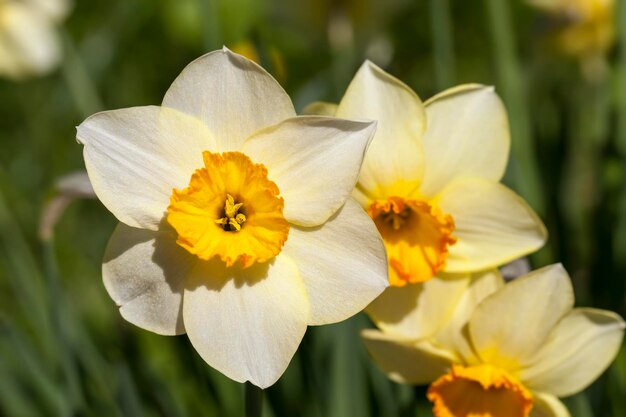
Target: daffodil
236 222
502 350
583 28
29 44
430 179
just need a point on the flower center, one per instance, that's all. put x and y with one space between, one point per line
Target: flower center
481 390
416 235
230 209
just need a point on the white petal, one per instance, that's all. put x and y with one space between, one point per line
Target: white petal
546 405
579 349
417 311
246 323
342 263
320 108
406 361
453 335
492 223
53 9
315 162
144 273
136 156
394 162
29 44
468 135
512 324
232 95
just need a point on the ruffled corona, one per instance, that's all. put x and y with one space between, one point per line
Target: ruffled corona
480 391
230 209
416 235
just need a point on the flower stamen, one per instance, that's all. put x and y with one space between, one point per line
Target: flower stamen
232 220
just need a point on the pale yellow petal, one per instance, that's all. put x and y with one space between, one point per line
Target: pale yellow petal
406 361
417 311
546 405
246 323
342 264
468 136
454 334
232 95
579 349
509 326
394 162
135 157
315 162
144 273
320 108
493 225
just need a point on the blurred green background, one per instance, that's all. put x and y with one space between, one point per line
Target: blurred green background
64 348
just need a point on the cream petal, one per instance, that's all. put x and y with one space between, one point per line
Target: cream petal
406 361
232 95
417 311
579 349
546 405
315 162
492 223
394 163
468 135
320 108
53 9
246 323
512 324
136 156
454 334
342 263
29 44
144 273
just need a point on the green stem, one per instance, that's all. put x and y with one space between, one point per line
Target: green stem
443 43
254 400
512 87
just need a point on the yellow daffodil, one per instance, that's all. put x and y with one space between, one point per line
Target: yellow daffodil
29 44
499 350
583 28
430 178
236 222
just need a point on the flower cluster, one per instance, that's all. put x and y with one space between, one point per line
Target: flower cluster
242 223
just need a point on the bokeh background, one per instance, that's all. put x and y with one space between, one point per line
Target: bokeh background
64 348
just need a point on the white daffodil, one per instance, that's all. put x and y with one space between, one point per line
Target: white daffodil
431 182
501 350
430 179
236 223
29 44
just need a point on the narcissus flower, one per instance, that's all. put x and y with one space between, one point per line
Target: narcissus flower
29 44
583 28
430 179
499 350
236 223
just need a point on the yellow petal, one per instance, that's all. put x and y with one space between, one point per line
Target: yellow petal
546 405
406 361
136 156
246 323
417 311
453 335
579 349
320 108
468 136
510 326
394 160
144 273
315 162
232 95
493 225
342 264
